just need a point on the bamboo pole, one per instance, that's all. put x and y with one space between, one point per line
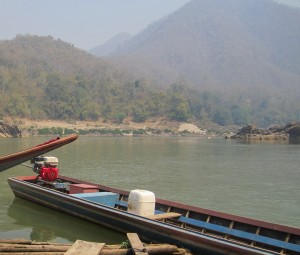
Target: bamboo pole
161 249
34 248
35 253
26 247
29 242
152 249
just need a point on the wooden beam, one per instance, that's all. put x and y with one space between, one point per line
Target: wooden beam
85 248
163 216
136 244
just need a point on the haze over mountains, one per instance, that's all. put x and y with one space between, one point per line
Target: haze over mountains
232 62
221 44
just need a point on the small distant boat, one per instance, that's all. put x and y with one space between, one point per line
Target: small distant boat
201 230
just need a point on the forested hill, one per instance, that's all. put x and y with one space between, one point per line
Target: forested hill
41 77
224 44
40 55
44 78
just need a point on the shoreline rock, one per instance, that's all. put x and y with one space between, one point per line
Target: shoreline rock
251 132
9 130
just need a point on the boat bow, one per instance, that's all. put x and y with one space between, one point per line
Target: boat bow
17 158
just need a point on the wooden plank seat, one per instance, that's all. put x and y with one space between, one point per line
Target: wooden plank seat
159 216
136 244
163 216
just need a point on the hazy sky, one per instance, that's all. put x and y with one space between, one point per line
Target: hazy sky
84 23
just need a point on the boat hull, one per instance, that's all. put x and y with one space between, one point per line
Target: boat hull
123 221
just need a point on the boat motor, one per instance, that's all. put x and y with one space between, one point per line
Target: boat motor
46 167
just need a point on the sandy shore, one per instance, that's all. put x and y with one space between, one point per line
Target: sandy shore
158 124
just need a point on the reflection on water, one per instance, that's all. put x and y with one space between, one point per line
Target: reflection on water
294 140
48 225
291 140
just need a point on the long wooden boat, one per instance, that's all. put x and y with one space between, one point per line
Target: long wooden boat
200 230
17 158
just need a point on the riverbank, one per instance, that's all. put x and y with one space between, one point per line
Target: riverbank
127 128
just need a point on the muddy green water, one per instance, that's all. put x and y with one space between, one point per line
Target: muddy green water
254 180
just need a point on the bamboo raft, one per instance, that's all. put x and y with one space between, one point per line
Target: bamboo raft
135 247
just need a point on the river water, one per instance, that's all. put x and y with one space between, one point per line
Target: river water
259 180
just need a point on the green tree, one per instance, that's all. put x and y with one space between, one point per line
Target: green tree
139 112
119 117
156 104
16 106
178 107
241 115
222 116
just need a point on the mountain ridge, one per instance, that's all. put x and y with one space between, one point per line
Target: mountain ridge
111 45
227 43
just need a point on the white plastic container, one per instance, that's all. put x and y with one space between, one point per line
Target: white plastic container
141 202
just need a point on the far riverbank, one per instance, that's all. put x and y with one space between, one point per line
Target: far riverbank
127 128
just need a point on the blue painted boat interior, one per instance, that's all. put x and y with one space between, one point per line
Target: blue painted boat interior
112 199
105 198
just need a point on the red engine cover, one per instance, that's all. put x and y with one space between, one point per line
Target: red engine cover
49 173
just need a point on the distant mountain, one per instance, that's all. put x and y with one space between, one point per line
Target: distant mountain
111 45
222 44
